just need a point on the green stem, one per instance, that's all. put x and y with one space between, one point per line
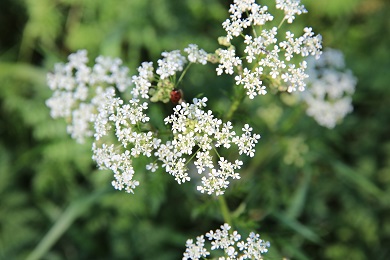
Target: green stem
76 209
192 157
239 95
182 75
280 24
215 150
292 119
225 210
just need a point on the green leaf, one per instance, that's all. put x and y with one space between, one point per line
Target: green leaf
75 210
298 227
298 200
358 180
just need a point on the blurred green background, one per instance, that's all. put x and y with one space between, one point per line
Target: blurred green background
332 203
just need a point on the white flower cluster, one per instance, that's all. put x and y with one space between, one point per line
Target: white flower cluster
330 87
86 97
230 242
70 82
269 58
196 55
290 8
173 61
143 81
195 129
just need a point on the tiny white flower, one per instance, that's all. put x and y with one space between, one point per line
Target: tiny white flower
233 247
330 87
195 54
194 128
290 8
171 63
263 50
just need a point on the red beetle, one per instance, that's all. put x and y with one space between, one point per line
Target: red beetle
176 96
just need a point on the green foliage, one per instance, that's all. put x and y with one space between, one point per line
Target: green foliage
314 193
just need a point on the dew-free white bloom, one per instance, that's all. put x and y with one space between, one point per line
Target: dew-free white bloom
71 85
171 63
230 242
111 72
251 82
87 97
228 61
196 55
152 167
195 251
195 128
264 54
61 104
290 8
105 103
331 86
246 142
257 15
108 157
124 119
82 117
143 81
305 45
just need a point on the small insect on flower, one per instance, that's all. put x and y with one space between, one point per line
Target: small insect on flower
176 96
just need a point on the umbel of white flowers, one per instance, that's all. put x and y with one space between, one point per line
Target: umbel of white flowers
122 132
265 56
330 89
89 98
253 247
